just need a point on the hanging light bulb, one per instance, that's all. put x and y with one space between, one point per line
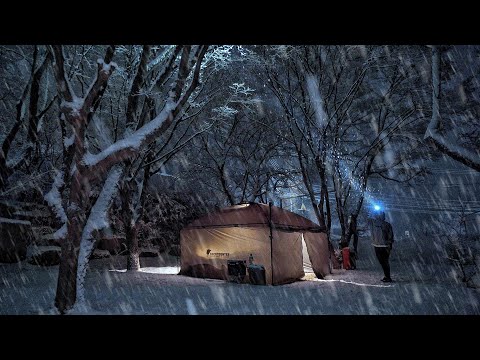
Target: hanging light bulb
303 207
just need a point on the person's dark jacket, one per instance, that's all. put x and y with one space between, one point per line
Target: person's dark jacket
381 231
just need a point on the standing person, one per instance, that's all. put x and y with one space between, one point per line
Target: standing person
382 240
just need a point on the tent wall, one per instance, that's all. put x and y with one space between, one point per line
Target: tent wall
317 246
226 243
287 257
237 243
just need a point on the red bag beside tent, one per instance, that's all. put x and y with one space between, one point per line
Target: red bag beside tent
346 258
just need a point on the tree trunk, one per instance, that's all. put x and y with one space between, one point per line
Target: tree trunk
338 186
223 182
306 180
324 198
352 228
327 206
352 231
67 276
133 256
3 173
128 189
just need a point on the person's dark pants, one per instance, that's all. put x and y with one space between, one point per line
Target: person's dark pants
383 254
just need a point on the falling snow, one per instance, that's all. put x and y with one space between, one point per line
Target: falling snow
331 133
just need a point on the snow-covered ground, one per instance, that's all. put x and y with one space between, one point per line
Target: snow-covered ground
424 284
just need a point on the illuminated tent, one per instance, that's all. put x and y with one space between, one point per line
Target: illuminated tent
283 242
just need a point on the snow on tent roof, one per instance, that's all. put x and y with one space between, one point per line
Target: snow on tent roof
254 214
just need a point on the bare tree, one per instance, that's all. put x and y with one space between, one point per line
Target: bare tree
29 113
89 169
159 152
241 158
288 84
341 124
446 144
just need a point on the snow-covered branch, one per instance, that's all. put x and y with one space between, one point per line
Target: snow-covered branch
97 220
98 85
54 200
130 146
167 70
126 148
444 144
98 216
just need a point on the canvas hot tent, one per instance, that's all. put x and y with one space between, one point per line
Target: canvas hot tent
283 242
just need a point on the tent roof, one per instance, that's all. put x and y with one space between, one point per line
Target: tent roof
254 214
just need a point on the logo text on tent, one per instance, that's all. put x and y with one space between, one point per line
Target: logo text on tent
217 254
